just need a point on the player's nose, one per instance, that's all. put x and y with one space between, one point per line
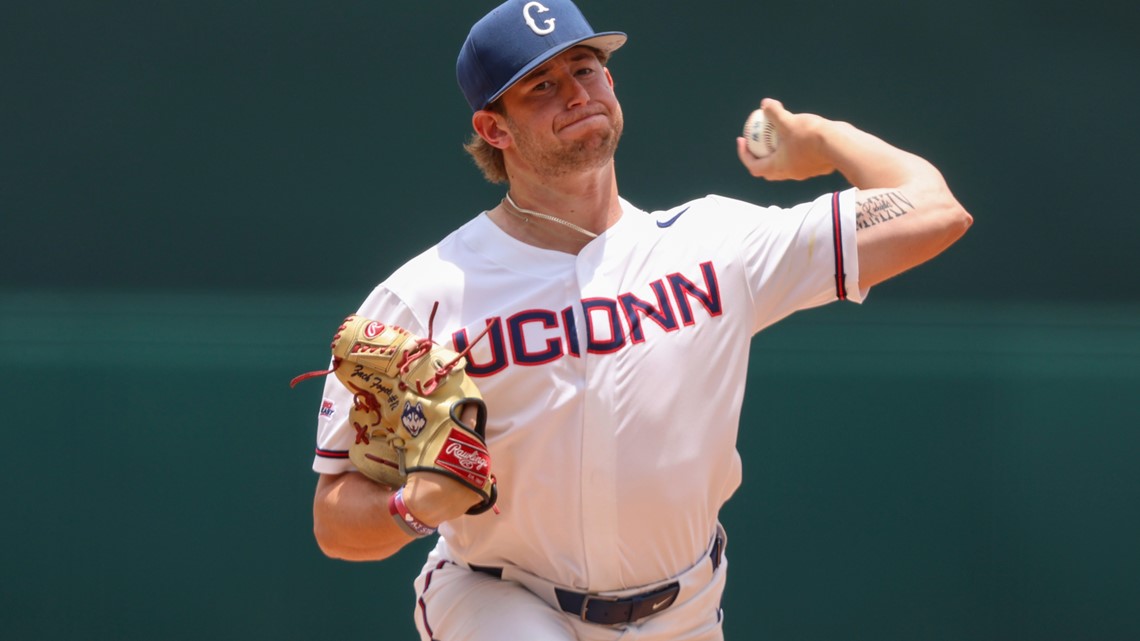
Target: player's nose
575 93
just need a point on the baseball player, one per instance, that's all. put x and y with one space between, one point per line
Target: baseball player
614 346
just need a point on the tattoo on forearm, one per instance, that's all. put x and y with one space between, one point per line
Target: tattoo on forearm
881 208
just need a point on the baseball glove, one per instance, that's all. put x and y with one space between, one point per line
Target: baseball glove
408 393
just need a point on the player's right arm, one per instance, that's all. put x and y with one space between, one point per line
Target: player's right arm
905 214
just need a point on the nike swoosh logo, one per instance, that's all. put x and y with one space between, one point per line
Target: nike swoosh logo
660 604
668 223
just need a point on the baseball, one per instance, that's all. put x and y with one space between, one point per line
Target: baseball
760 134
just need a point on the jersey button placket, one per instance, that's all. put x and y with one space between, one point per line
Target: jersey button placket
599 440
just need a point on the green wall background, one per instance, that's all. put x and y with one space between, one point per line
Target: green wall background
184 187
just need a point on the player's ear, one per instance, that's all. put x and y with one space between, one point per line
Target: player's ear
490 127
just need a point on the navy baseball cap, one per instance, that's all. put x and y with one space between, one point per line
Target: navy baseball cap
517 36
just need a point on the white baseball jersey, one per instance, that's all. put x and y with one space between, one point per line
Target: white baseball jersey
614 379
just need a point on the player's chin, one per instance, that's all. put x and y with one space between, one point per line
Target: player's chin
593 151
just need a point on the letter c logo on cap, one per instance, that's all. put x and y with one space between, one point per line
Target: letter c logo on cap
542 31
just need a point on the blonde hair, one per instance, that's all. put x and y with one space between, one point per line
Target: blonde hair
488 158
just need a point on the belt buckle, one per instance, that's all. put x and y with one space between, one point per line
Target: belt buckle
595 597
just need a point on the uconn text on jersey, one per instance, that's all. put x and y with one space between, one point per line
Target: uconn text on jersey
538 336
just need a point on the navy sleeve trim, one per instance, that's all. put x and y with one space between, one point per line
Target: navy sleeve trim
837 230
332 453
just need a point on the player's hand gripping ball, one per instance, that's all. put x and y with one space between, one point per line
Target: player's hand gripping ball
760 134
408 394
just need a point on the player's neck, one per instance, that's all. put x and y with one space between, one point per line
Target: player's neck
587 205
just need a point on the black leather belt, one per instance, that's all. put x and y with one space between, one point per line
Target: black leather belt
607 610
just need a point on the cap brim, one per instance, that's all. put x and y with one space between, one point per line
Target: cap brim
607 41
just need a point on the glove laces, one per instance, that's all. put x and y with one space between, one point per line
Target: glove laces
421 349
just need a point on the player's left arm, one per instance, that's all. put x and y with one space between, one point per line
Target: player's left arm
905 212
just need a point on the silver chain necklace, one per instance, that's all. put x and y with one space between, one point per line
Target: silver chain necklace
519 211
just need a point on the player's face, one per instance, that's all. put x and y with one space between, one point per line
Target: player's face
564 116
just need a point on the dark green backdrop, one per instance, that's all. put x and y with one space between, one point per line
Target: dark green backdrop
193 194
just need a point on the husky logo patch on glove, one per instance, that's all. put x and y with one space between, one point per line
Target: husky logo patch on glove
413 418
408 393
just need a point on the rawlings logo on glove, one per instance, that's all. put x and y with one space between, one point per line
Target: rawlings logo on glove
408 393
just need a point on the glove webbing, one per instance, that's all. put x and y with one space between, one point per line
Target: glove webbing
421 349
